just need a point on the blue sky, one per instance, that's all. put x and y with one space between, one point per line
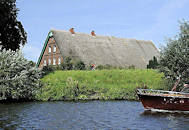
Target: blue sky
153 20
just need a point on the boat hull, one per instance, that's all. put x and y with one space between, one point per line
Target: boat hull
161 102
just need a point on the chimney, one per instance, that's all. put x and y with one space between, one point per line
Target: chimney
93 33
72 30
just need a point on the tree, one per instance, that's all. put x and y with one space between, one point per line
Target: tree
19 79
153 64
174 59
12 33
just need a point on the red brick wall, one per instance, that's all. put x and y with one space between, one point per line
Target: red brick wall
51 55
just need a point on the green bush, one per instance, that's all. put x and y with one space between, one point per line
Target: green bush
174 59
48 69
67 64
131 67
19 78
110 67
106 67
100 67
79 65
153 64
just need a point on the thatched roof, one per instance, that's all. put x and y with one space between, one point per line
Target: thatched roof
103 50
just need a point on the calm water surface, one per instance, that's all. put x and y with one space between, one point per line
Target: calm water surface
87 115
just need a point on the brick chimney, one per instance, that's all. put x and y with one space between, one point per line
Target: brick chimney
72 30
93 33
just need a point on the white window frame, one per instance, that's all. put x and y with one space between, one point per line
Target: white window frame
54 61
49 61
59 60
49 49
45 63
54 48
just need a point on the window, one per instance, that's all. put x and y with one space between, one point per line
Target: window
49 49
54 61
49 61
59 61
44 63
54 48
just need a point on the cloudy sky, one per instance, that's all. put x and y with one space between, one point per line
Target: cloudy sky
153 20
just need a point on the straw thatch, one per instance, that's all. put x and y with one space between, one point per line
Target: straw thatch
103 50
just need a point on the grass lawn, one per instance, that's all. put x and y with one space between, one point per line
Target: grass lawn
98 84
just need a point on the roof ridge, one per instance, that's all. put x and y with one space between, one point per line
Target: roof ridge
105 36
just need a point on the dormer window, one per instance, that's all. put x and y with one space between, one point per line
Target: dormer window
54 48
49 49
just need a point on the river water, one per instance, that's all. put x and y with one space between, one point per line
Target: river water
87 115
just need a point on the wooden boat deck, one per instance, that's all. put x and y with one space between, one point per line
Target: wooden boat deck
162 93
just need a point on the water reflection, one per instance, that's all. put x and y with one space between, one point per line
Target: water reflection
10 115
164 114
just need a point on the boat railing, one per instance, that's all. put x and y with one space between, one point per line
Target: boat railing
144 91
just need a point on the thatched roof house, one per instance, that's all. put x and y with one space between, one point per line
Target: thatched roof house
100 50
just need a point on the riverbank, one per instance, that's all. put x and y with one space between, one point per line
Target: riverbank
99 84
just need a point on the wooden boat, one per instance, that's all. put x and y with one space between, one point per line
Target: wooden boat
164 100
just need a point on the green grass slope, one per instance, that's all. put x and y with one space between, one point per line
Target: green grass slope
99 84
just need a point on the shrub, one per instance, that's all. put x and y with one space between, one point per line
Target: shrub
105 67
174 59
100 67
48 69
19 79
67 64
110 67
153 64
79 65
131 67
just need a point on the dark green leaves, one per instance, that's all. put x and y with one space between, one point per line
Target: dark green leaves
12 33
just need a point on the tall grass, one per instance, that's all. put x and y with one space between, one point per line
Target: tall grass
99 84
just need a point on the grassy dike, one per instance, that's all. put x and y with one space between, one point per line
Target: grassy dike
99 84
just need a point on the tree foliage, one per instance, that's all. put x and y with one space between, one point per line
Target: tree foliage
12 33
19 79
153 64
174 59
